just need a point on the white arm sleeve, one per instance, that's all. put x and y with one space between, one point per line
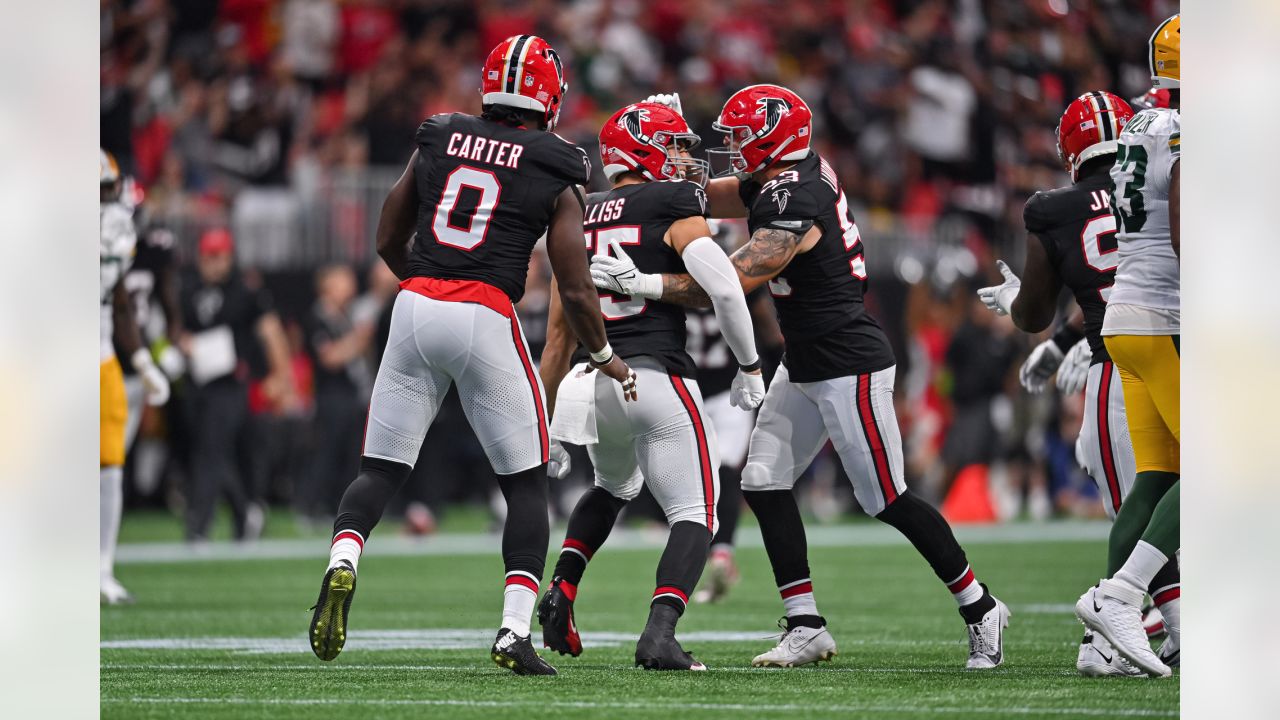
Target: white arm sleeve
711 268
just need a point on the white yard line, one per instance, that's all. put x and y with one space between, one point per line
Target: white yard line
349 668
859 535
650 706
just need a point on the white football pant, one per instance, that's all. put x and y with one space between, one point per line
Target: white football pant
1103 448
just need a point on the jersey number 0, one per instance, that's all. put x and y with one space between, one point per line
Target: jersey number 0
465 228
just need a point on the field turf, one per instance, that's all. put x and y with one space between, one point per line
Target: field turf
226 638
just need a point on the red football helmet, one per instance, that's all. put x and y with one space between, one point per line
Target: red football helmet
644 138
1090 127
524 72
1154 98
765 124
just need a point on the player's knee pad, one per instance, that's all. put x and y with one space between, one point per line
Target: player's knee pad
696 513
757 476
625 491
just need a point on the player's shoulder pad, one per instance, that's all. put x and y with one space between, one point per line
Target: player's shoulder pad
1038 214
685 199
1156 123
431 128
786 203
562 159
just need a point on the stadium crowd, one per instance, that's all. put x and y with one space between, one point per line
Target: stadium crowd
285 122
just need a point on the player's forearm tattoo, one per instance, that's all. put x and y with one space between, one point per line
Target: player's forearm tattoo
767 253
683 290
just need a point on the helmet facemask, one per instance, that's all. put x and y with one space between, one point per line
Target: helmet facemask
734 138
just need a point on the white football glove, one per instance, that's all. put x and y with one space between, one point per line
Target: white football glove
747 391
1074 372
1040 366
172 362
560 462
153 379
618 274
671 100
999 298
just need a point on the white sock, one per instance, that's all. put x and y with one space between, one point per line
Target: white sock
347 545
111 502
1141 567
518 600
797 598
965 589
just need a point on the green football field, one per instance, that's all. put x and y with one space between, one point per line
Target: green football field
223 635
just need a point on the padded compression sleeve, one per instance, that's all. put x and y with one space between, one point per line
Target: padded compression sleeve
711 268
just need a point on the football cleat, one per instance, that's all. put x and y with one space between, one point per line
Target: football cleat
1098 659
722 574
515 653
1105 610
798 646
1170 654
555 615
663 652
986 638
111 592
329 621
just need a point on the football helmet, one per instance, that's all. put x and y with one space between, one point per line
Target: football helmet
1153 98
645 138
109 174
1090 127
525 72
765 124
1164 51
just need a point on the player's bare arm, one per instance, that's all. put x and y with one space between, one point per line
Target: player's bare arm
123 323
1175 211
757 262
1036 303
558 350
578 297
271 332
397 221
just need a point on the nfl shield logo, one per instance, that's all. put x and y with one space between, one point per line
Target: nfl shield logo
528 81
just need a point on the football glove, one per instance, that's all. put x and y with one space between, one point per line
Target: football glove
560 463
999 298
1040 366
671 100
1074 372
153 379
618 274
747 391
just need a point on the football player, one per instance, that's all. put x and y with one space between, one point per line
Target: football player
1141 332
655 213
458 228
836 378
1071 242
118 238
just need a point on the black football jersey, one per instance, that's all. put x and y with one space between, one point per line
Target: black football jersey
487 191
710 352
1078 232
154 255
636 218
819 295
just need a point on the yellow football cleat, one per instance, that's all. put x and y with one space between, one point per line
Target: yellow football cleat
329 621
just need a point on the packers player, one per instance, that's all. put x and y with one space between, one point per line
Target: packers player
117 242
1141 332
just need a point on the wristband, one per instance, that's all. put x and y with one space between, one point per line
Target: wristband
602 357
1065 337
750 367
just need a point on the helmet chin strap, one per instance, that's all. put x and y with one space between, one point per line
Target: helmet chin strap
778 151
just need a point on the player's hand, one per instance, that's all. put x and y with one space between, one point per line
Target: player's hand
999 298
1040 366
1074 372
172 361
747 391
671 100
153 380
559 462
620 371
618 274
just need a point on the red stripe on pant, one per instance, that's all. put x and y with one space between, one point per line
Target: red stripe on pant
794 590
704 452
1104 437
533 385
875 440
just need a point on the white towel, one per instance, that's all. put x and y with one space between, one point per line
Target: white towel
574 419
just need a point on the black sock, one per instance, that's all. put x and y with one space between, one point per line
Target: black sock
681 565
527 530
367 496
590 523
729 507
783 532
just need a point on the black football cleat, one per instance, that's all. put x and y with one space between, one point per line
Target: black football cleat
555 615
658 648
516 653
329 621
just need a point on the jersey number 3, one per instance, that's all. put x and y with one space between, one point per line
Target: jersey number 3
464 224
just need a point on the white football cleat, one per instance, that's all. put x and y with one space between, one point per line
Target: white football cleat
1098 659
986 638
1119 620
1170 654
798 646
111 592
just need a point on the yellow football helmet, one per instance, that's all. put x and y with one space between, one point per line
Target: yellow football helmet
1165 52
109 171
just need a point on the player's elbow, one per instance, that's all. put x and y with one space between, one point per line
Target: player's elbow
1031 319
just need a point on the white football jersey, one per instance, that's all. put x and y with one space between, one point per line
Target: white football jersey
1148 274
115 254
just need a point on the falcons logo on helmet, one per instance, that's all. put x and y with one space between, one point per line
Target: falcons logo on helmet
631 120
773 109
